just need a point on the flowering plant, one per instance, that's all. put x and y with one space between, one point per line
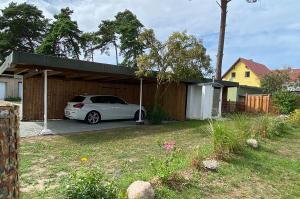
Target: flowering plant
169 146
172 160
294 118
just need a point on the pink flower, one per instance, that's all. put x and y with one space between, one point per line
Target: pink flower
169 146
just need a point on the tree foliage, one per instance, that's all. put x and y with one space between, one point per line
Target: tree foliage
274 81
107 37
121 33
181 57
64 37
22 27
129 29
285 101
88 41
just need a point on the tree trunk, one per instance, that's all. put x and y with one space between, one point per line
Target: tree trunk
116 50
221 39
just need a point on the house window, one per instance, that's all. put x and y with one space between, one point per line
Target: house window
247 74
233 75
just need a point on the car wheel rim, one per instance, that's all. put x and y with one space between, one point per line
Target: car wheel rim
93 117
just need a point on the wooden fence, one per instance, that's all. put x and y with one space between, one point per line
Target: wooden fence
258 103
9 146
233 107
252 104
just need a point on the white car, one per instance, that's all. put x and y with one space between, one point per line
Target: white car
94 108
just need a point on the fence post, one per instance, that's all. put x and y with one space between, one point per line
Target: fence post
246 103
9 146
269 103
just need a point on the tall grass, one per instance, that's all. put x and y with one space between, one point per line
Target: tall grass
244 123
269 126
230 136
226 138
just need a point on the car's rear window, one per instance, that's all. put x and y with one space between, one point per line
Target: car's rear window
77 99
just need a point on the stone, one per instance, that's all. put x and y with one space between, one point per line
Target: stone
140 190
210 164
283 116
253 143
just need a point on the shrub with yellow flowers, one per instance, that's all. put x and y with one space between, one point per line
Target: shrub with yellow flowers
294 118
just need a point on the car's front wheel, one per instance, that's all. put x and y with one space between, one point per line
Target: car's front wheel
137 115
93 117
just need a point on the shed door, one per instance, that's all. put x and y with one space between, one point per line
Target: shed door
216 102
193 110
2 90
20 90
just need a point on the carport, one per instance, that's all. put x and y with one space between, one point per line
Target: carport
49 82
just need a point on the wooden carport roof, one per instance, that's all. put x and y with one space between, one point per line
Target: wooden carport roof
29 65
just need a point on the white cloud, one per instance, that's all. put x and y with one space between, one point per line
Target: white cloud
267 31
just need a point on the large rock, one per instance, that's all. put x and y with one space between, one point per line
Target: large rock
140 190
210 164
252 142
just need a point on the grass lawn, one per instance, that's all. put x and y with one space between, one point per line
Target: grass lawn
273 171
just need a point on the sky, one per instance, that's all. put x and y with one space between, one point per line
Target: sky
267 32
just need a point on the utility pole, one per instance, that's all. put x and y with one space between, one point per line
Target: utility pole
223 6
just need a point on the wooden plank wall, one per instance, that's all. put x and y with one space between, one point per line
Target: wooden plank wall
258 103
60 91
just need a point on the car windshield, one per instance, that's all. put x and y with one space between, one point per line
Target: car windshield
77 99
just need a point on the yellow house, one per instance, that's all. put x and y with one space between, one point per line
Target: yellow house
246 72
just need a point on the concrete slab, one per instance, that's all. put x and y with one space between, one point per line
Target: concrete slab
28 129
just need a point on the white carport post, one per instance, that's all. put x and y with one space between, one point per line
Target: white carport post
140 121
46 130
220 103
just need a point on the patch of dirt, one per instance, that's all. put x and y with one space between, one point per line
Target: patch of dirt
253 188
40 185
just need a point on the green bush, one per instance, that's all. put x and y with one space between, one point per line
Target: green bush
226 138
277 127
90 184
268 126
285 101
156 116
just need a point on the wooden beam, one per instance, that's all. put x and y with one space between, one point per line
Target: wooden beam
76 75
52 73
115 79
21 70
31 74
97 77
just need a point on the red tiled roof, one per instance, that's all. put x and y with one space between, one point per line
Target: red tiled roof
293 72
257 68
